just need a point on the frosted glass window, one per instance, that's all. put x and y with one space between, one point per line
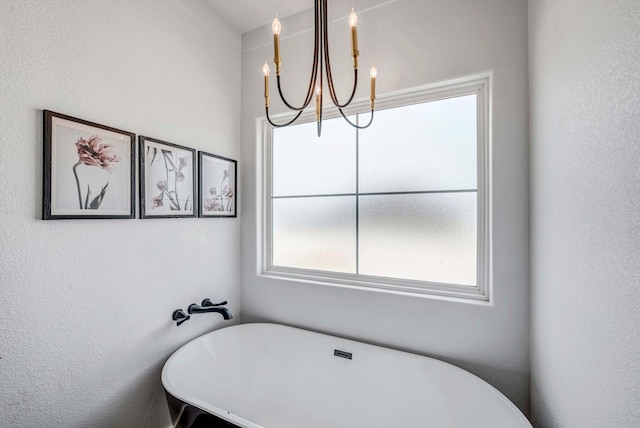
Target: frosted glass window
427 146
426 237
402 205
304 164
315 233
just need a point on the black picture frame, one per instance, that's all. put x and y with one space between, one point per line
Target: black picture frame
164 167
79 154
217 186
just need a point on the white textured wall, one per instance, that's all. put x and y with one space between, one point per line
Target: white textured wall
585 200
85 306
413 42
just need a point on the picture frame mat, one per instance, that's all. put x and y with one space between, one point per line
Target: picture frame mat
210 164
149 181
125 173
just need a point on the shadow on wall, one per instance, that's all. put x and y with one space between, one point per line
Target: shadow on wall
507 377
142 404
39 157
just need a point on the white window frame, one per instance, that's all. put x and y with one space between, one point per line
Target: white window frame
479 85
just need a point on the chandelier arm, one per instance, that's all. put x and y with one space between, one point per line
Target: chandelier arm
319 74
327 61
319 107
353 124
332 90
275 125
308 98
314 67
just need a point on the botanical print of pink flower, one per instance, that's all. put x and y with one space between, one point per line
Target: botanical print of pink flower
157 202
93 152
222 201
211 205
173 175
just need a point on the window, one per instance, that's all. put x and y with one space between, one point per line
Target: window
401 206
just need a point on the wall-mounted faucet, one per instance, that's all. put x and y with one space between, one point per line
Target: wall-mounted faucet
179 316
209 306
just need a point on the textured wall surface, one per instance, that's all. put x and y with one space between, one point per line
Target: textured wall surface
585 225
85 306
413 43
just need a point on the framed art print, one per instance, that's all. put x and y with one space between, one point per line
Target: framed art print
88 170
217 186
167 179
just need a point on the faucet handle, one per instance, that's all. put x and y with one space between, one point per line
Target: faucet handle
179 316
208 303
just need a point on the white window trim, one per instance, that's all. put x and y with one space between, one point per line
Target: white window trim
481 293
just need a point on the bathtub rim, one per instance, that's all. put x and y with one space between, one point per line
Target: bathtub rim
244 423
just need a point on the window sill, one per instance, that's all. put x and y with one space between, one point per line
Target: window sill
403 287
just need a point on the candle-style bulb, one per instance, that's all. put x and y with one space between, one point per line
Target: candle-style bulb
265 71
374 72
276 26
353 22
353 18
318 90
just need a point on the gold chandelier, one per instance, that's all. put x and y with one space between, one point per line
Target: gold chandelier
321 68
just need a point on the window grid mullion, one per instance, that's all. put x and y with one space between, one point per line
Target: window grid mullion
413 192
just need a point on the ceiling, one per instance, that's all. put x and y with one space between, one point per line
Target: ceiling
246 15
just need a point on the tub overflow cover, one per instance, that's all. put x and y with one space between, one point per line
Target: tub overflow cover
342 354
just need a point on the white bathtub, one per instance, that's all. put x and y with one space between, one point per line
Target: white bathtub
273 376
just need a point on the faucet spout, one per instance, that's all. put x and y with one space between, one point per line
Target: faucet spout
194 308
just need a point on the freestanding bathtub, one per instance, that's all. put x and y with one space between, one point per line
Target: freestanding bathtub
274 376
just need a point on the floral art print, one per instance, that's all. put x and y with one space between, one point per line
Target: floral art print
217 186
88 170
167 179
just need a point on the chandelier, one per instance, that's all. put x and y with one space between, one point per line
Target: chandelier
321 68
